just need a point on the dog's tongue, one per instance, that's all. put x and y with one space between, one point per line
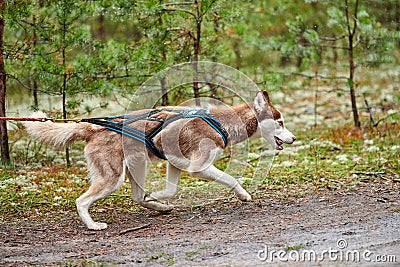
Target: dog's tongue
279 143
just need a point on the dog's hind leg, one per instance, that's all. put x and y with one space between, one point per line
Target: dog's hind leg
101 187
211 173
173 176
137 176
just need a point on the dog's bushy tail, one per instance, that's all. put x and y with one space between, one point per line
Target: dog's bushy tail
58 134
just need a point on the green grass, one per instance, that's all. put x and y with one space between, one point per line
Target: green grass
295 247
338 158
191 254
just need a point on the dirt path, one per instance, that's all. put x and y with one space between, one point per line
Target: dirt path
364 222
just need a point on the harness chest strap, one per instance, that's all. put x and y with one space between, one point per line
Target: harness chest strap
122 128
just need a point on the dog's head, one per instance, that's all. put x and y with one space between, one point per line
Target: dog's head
271 123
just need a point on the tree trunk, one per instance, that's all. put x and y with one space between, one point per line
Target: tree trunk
196 52
213 87
35 93
101 30
163 80
335 55
238 53
351 33
64 87
5 151
351 85
64 102
164 92
35 75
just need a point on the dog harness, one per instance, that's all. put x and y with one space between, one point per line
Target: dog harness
147 139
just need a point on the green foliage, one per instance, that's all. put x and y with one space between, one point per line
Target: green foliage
336 19
15 10
111 47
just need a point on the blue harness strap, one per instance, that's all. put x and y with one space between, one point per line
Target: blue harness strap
147 139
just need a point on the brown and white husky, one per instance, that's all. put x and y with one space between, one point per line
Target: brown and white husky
189 144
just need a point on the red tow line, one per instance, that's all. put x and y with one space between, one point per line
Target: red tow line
21 119
40 119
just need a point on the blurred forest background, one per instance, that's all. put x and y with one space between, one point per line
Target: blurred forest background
81 57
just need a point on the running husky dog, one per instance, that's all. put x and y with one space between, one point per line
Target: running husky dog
188 143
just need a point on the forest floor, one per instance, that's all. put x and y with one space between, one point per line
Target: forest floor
359 227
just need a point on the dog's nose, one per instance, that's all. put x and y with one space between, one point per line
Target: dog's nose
294 138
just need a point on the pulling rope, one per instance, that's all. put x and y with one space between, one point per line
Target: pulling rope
147 139
77 120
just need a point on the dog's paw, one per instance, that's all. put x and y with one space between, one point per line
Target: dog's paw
98 226
241 193
244 196
151 203
163 208
166 208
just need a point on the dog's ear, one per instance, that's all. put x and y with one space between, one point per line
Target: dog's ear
260 101
266 96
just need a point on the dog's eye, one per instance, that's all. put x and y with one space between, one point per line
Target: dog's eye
280 123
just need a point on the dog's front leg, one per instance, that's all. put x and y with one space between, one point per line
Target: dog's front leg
171 186
214 174
137 176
